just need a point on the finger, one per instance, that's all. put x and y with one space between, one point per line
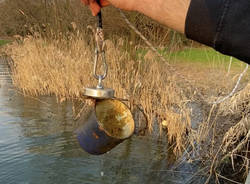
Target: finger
95 8
104 3
86 2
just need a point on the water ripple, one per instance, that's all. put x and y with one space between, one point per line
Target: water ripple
38 145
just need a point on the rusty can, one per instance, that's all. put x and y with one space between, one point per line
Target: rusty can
107 125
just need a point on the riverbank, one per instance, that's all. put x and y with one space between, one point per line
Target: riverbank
38 145
178 102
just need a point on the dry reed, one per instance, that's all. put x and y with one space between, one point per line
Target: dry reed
63 68
57 60
54 18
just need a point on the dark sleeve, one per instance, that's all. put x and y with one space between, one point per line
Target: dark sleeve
221 24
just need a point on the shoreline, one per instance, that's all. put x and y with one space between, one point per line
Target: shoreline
32 79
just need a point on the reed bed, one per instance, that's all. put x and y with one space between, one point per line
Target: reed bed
53 55
63 68
54 18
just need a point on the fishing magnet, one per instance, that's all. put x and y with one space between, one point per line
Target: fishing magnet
99 93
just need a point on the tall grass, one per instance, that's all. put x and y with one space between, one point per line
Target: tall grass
53 55
63 68
55 18
57 59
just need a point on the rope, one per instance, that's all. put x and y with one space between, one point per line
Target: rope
150 45
99 19
234 89
163 59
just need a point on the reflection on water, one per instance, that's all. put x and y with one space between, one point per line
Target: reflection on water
38 145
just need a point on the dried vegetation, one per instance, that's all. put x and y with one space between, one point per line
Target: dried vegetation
53 55
64 68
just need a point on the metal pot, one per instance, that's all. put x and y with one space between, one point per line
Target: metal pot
107 125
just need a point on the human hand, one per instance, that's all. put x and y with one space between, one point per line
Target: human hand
95 7
168 12
122 4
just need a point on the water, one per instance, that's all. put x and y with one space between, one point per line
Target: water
38 145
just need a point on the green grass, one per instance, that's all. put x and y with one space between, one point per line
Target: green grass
203 56
3 42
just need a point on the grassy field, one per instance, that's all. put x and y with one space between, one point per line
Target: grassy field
205 56
202 56
3 42
202 65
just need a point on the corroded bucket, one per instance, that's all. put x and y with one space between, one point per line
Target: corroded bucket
107 125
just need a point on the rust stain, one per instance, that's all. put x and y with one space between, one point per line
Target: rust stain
115 118
95 136
101 128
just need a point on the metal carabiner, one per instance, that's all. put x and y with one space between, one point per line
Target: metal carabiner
99 77
99 92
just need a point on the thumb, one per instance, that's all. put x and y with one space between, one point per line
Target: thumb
95 7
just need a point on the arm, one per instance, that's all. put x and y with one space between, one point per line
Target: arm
221 24
168 12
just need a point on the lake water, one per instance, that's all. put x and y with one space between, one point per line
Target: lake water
38 145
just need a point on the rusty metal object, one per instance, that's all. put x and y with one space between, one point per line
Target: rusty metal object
107 125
